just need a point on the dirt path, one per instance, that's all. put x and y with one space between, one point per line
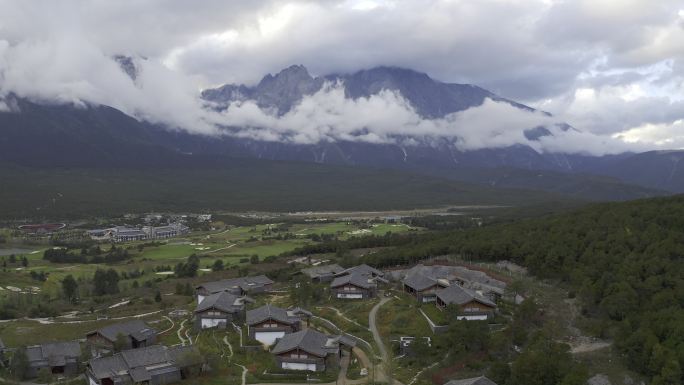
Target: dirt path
339 313
244 374
223 248
372 316
170 327
578 341
586 345
230 347
336 329
380 375
179 332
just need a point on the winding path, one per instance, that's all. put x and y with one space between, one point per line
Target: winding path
180 329
339 313
170 327
230 347
372 317
244 373
381 374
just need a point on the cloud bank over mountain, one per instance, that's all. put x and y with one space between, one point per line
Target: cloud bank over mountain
613 69
387 117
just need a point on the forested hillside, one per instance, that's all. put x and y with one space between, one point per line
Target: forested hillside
238 185
624 260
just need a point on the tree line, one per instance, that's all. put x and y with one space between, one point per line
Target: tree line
624 261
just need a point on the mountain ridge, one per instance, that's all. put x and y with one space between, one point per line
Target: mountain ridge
99 136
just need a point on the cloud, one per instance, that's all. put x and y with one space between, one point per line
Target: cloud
605 66
667 135
387 117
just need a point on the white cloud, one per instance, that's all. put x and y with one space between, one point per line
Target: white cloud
665 135
388 118
605 66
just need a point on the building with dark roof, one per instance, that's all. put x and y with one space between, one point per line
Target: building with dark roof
57 357
269 323
482 380
470 304
424 281
135 334
353 286
322 274
357 282
220 309
238 286
310 350
363 270
153 365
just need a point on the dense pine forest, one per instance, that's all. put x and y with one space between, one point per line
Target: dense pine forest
624 261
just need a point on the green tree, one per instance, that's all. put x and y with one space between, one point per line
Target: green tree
105 282
70 288
499 372
157 297
671 374
217 266
120 343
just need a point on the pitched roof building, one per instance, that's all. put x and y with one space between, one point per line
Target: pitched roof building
323 273
269 323
471 305
219 310
309 350
357 282
155 364
424 281
58 357
237 286
362 269
136 334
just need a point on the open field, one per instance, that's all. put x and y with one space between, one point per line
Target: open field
233 245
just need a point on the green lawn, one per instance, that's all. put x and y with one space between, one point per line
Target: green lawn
400 317
25 332
437 315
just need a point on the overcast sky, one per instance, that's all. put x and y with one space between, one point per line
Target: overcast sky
611 68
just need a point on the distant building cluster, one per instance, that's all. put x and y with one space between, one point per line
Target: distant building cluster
127 234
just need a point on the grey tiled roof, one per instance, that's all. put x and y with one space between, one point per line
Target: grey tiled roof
269 311
317 271
223 301
140 374
299 312
144 357
54 352
136 329
420 276
135 362
244 283
106 367
456 294
309 340
356 279
472 381
362 270
419 281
